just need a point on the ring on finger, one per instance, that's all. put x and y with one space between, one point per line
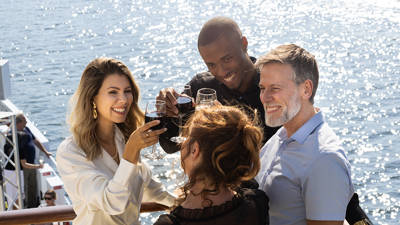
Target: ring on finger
147 134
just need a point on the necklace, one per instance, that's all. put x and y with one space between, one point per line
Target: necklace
115 156
107 146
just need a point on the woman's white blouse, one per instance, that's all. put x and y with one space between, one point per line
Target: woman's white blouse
103 192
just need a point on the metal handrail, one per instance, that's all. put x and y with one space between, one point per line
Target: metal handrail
37 215
56 214
18 202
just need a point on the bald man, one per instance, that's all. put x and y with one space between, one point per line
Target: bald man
231 72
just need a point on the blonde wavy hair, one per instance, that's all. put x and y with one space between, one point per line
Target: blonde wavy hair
81 121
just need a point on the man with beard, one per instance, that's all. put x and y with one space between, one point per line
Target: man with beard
231 72
304 169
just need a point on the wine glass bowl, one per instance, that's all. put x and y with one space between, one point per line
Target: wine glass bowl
206 97
155 110
155 116
184 101
185 107
184 104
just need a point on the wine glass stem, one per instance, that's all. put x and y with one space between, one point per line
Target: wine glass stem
153 149
180 124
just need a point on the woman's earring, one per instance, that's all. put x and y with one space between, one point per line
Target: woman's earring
94 111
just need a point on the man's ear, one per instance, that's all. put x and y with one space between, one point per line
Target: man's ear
244 44
308 89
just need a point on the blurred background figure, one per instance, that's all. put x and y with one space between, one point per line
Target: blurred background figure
32 198
50 198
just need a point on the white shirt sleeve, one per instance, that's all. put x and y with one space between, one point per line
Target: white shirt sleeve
84 181
155 192
327 188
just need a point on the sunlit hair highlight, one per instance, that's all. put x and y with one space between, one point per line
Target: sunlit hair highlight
229 144
81 121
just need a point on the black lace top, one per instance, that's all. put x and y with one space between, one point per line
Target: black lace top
249 206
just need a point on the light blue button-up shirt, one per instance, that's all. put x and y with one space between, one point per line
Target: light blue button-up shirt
306 176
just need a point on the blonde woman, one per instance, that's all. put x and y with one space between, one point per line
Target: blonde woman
100 163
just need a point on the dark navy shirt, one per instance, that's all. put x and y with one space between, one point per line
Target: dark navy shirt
29 147
8 147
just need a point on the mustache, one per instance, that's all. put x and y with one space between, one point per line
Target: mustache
239 71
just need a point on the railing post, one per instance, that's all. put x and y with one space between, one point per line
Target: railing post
2 202
17 160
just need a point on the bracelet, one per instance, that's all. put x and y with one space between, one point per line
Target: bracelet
362 222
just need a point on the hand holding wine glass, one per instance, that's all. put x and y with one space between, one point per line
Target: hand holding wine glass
41 160
141 138
155 110
184 101
185 107
169 95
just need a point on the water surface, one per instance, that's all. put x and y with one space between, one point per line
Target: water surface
49 42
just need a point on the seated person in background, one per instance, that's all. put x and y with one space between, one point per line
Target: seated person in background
220 151
50 197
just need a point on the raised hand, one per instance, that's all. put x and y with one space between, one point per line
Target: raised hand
169 95
141 138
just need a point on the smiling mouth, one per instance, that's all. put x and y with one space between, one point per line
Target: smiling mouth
272 108
119 110
228 76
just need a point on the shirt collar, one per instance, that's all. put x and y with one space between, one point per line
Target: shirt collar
304 131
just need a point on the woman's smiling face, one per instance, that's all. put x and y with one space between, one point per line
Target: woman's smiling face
114 99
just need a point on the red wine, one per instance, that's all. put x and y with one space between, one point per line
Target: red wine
156 116
184 104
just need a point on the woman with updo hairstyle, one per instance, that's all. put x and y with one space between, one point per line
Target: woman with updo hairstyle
220 152
100 162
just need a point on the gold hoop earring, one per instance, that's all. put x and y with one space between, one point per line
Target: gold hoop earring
94 111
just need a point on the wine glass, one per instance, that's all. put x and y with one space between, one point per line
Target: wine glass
206 97
176 175
185 106
155 110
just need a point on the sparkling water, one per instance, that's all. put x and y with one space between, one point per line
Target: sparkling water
356 43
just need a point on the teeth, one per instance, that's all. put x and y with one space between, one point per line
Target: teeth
228 76
120 110
272 108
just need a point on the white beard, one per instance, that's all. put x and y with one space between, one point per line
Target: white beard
288 113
